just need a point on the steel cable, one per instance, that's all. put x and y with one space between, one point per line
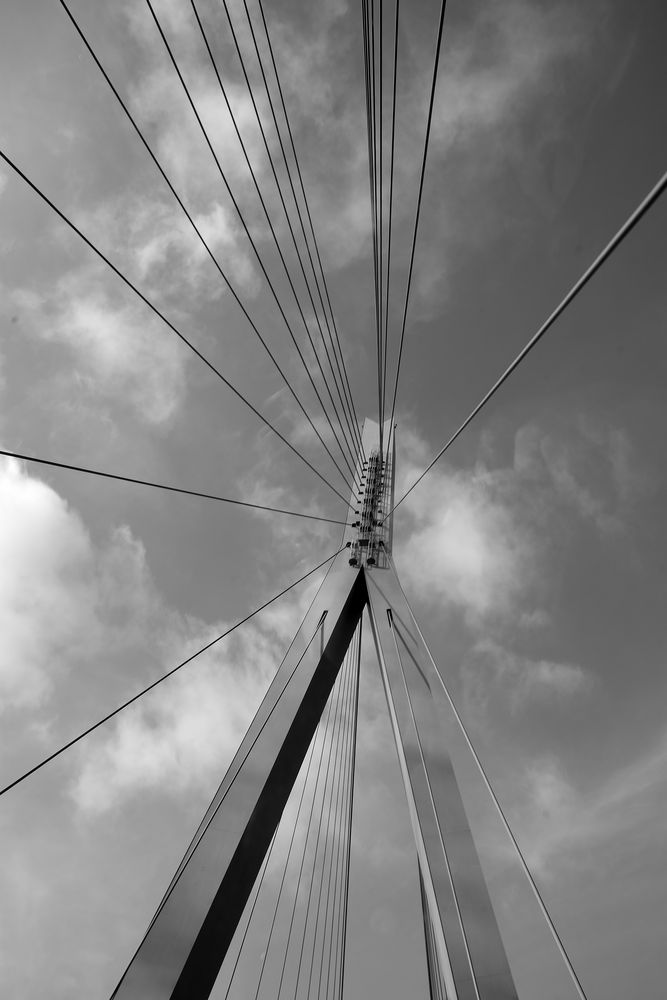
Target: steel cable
391 211
163 486
337 817
267 215
311 814
194 226
167 322
311 225
370 126
422 173
524 864
232 197
614 242
349 822
163 677
335 735
351 427
258 890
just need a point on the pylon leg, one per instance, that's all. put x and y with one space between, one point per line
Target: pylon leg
470 953
187 940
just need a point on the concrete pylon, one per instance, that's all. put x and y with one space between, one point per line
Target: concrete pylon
186 942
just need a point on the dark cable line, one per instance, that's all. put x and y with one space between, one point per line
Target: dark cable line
337 814
341 395
376 211
349 827
223 91
258 890
163 677
455 892
332 811
370 111
526 869
239 213
380 220
215 806
432 961
311 225
342 879
162 486
172 327
194 226
349 426
287 861
317 839
317 876
338 840
334 697
341 838
391 210
614 242
376 205
422 173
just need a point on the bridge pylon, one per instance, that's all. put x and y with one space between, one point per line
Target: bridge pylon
182 951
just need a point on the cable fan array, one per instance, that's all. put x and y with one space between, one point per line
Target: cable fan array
304 940
302 936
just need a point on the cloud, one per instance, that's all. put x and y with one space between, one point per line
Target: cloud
559 821
42 544
185 737
159 101
500 63
62 601
4 179
492 669
589 466
120 351
73 610
483 539
468 548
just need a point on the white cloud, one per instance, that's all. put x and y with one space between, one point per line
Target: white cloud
3 181
68 607
467 547
506 57
589 466
120 351
185 737
483 538
559 821
61 599
521 679
42 544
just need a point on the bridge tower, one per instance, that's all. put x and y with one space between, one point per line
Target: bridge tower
186 942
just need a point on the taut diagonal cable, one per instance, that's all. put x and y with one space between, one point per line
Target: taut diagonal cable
524 864
614 242
349 422
237 208
188 343
434 81
51 463
162 678
196 229
372 175
270 223
311 226
391 213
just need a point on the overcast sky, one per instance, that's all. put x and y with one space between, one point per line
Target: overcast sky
534 553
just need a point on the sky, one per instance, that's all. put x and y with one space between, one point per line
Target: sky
534 553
